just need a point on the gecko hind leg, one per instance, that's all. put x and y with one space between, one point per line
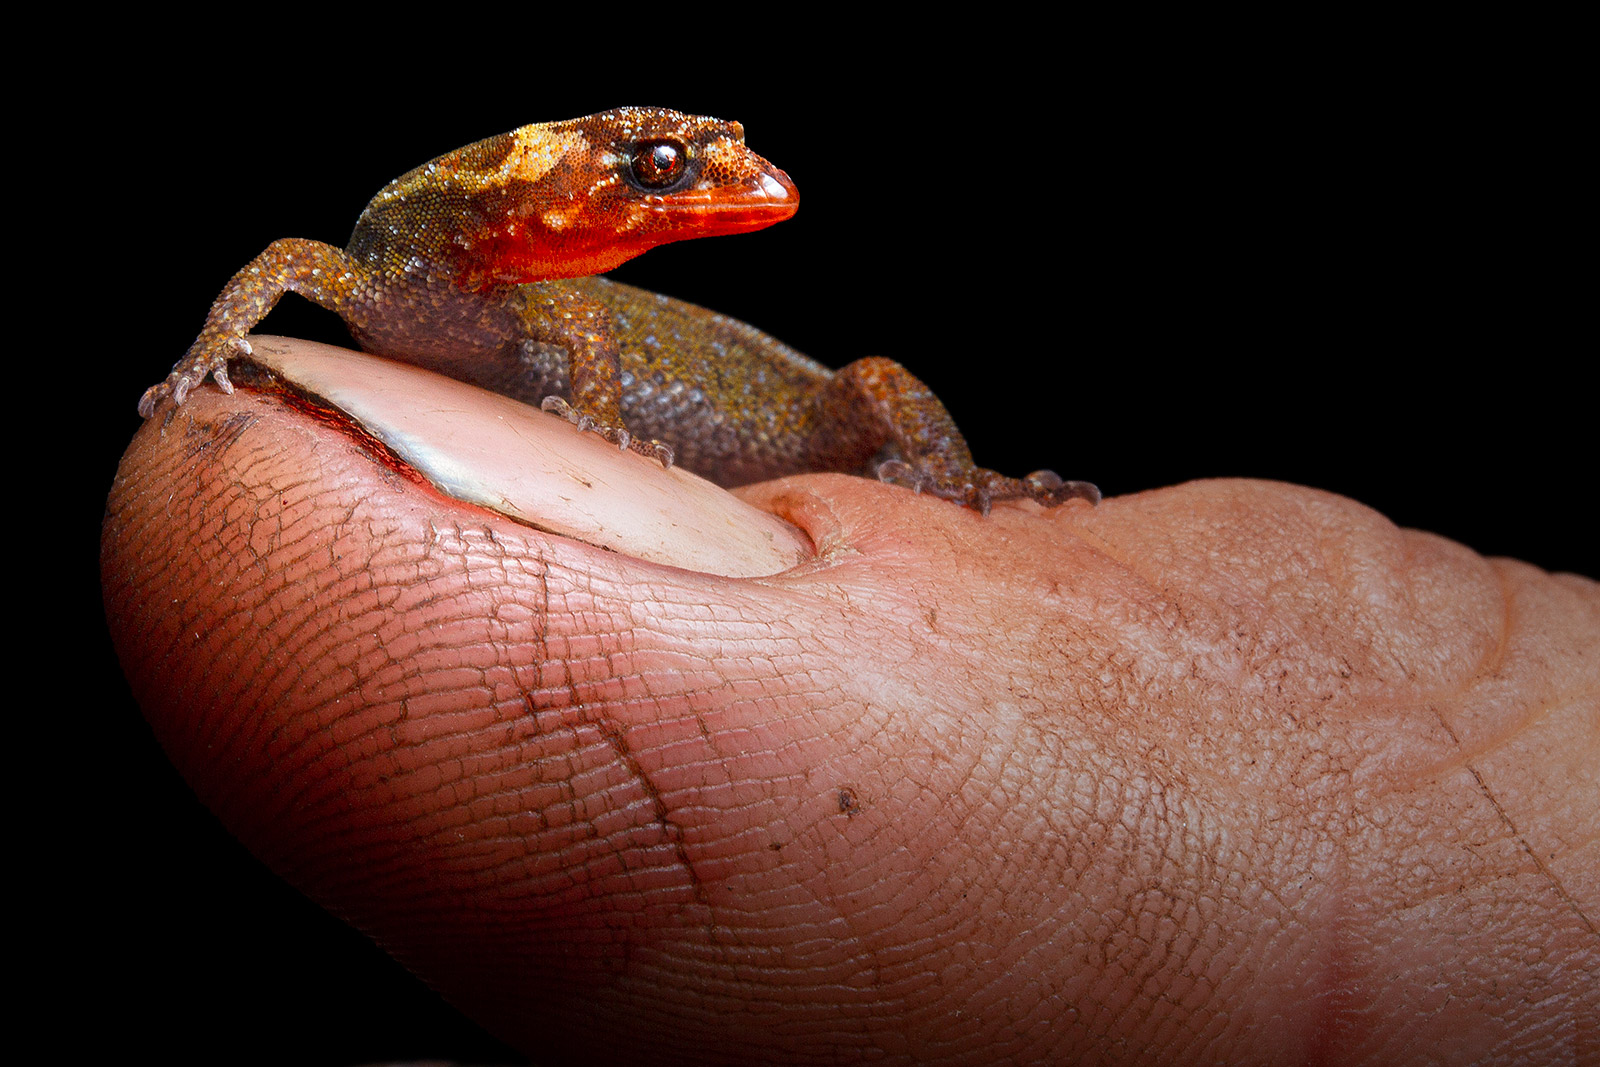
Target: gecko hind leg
934 457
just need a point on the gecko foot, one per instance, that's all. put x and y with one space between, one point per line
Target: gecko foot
617 435
977 488
192 370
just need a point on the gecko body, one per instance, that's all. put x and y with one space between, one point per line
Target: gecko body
481 265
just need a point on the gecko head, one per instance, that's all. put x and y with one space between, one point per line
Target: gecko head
574 198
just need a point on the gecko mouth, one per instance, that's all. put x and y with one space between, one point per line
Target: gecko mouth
767 198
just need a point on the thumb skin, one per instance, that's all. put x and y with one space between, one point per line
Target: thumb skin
1233 772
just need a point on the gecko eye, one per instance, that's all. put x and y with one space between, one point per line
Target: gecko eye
658 164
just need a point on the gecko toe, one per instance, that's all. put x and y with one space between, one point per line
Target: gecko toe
899 472
152 396
555 405
1048 488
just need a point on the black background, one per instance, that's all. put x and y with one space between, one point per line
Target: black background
1133 263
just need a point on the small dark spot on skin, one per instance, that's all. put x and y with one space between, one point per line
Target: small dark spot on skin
202 435
848 804
774 846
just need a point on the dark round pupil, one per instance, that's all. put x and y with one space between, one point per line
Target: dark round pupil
659 164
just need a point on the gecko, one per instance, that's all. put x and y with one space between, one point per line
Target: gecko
482 265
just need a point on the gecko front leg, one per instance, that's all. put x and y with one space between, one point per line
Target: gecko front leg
560 316
319 272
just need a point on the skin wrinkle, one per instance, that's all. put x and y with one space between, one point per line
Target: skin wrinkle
1494 655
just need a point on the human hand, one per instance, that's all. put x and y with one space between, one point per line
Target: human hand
1233 770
